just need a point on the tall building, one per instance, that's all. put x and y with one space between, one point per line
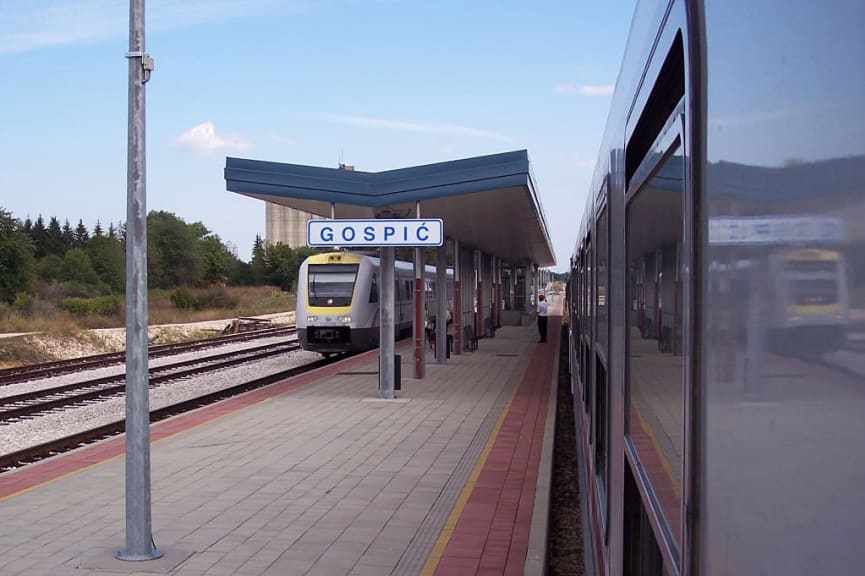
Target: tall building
286 225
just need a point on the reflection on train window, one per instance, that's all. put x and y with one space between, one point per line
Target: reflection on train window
655 366
331 284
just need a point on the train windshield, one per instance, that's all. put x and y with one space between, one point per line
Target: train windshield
331 284
813 276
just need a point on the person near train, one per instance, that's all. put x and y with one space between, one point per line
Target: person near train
543 312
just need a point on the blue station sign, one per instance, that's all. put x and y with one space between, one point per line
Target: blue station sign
429 232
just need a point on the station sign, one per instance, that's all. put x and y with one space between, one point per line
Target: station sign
429 232
774 230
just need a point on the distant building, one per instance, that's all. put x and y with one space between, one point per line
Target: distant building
284 225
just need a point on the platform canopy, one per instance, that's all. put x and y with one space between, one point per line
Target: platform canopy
488 202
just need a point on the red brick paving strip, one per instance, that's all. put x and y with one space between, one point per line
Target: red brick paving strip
492 533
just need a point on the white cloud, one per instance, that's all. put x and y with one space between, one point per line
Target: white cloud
451 129
586 89
202 138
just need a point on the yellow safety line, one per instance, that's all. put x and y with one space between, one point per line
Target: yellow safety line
677 487
447 530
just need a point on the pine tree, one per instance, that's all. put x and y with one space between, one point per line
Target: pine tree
68 235
259 262
16 258
40 237
55 238
81 234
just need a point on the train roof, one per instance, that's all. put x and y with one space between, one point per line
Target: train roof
374 260
488 203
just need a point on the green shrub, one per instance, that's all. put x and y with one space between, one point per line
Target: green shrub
183 299
24 303
83 307
216 298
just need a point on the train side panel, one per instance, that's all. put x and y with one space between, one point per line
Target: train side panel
717 296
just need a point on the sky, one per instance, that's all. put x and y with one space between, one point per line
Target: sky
379 84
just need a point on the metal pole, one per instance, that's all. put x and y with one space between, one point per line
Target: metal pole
458 306
139 541
386 374
441 303
419 303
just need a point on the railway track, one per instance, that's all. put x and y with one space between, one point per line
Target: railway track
29 404
44 450
59 367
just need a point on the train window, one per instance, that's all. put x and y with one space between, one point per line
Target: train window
373 290
642 557
654 365
331 284
602 431
601 280
668 90
590 285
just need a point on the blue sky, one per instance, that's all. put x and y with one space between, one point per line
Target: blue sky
379 84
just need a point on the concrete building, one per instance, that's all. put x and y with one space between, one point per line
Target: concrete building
286 225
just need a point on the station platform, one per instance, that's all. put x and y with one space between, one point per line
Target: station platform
316 475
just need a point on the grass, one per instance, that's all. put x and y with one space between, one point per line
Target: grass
63 331
237 302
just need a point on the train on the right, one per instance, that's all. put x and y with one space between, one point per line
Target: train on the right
716 296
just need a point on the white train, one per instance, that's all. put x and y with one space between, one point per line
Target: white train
338 301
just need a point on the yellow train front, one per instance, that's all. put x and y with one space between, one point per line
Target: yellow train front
338 302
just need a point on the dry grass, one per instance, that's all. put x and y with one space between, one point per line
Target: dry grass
62 329
249 301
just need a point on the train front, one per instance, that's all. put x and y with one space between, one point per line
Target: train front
337 303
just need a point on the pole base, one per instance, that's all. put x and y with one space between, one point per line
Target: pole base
129 557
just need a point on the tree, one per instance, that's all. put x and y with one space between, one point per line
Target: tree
50 268
109 261
78 271
97 230
259 262
40 237
283 263
17 265
68 235
81 235
54 244
173 259
218 263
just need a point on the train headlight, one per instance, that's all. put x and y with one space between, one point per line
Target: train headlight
311 319
345 319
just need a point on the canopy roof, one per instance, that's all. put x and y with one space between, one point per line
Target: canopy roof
487 202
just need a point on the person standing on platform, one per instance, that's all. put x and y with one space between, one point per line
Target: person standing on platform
543 311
